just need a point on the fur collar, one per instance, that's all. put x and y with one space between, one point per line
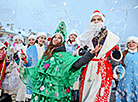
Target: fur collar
132 51
72 44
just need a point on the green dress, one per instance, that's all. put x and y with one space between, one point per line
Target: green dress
51 80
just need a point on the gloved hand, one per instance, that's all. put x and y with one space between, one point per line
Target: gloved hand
15 56
103 29
83 50
116 54
120 70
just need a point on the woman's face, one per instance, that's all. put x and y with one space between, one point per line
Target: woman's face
96 19
72 37
18 41
132 45
31 41
57 39
41 40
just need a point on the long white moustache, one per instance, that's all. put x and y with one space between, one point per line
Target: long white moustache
95 28
92 31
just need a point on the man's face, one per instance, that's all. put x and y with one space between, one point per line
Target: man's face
96 19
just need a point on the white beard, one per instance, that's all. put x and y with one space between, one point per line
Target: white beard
93 30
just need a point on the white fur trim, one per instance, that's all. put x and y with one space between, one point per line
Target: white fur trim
72 44
133 51
32 36
119 58
40 50
73 32
110 41
41 34
99 14
18 37
135 39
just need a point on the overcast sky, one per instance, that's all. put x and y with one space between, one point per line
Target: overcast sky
121 16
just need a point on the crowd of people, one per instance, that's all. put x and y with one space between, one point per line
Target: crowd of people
80 68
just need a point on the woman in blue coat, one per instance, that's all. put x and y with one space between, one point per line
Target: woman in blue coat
127 90
71 44
33 54
71 47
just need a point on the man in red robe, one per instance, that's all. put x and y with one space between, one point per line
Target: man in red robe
96 77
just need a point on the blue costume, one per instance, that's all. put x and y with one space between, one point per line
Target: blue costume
127 90
32 56
70 47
